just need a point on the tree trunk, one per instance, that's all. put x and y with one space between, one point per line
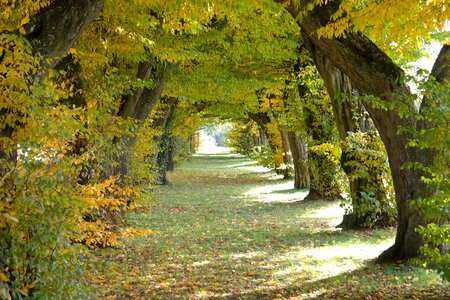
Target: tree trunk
171 156
287 154
299 157
374 73
165 141
263 120
54 29
338 84
138 106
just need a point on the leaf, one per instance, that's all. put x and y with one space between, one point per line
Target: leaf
3 277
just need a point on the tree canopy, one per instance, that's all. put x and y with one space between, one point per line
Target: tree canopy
99 96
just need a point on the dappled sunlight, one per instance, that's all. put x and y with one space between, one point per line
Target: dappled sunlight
250 166
248 255
328 212
277 192
201 263
354 251
233 231
326 261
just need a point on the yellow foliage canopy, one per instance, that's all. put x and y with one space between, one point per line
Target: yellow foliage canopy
398 25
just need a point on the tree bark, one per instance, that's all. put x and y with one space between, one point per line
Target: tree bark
338 84
171 155
54 29
165 141
299 157
374 73
287 154
138 106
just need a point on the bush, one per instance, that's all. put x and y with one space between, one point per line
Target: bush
367 158
323 163
240 139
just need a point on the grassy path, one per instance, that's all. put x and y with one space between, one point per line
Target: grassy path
230 230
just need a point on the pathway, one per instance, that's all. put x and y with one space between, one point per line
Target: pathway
231 230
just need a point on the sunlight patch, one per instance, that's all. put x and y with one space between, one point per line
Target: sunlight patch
328 253
355 251
328 212
247 255
325 262
283 193
201 263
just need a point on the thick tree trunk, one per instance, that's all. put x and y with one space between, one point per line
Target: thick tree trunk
299 157
338 84
374 73
171 156
56 27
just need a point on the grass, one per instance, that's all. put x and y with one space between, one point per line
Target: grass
231 230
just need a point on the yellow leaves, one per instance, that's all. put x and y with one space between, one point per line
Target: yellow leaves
105 195
272 285
331 151
400 27
25 20
27 288
264 104
96 234
16 13
98 224
3 277
136 232
103 200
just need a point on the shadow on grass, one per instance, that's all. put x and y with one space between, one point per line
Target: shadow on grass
289 191
229 234
362 283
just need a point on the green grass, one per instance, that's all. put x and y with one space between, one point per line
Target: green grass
231 230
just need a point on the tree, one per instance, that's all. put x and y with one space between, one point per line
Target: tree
32 41
164 122
374 73
323 153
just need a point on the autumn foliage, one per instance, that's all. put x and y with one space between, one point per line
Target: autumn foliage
99 99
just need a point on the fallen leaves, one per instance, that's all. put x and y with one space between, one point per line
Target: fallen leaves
226 244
